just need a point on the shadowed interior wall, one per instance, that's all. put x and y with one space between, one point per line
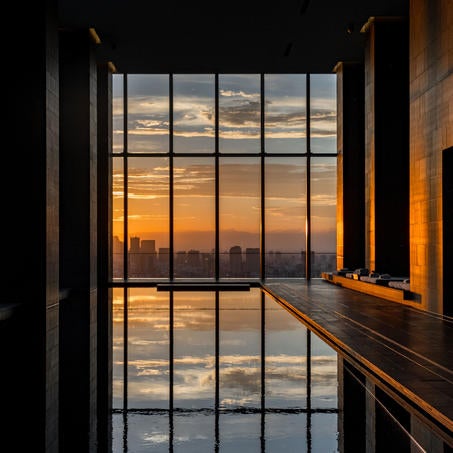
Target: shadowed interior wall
29 339
350 166
387 146
431 132
78 242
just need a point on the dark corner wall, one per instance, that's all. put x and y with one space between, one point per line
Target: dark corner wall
29 375
55 317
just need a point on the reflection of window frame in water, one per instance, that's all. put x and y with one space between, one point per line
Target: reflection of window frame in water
218 410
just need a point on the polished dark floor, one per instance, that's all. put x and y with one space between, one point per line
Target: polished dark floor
410 351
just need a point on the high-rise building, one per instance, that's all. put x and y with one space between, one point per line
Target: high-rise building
235 261
252 262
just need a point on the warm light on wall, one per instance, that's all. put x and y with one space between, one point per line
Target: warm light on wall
94 36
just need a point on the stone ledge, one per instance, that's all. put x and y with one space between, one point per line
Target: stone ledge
385 292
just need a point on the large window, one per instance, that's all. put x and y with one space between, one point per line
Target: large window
219 176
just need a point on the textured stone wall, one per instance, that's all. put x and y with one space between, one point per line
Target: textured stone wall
431 131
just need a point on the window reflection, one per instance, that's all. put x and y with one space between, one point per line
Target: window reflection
211 369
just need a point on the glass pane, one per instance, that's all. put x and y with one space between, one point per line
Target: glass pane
194 217
285 191
240 214
148 348
286 358
285 113
194 349
117 348
323 214
148 216
323 113
240 349
239 113
117 218
118 113
194 113
147 113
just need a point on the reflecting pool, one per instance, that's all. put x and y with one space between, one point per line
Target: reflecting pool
219 371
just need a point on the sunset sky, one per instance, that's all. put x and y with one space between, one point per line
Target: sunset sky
239 176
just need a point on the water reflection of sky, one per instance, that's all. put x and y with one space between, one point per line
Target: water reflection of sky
240 364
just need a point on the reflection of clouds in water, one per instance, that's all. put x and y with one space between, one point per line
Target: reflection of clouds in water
240 378
156 437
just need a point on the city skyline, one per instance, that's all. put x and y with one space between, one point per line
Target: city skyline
146 183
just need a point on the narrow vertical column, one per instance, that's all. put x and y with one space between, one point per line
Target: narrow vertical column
30 184
387 145
104 314
350 165
78 242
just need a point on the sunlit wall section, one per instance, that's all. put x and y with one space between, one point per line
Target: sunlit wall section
285 214
148 217
148 348
323 214
117 218
147 113
118 348
240 349
323 113
239 206
285 122
118 113
194 350
194 113
194 217
239 113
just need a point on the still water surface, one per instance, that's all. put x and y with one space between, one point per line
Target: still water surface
219 371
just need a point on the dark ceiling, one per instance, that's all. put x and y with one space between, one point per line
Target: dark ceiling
235 36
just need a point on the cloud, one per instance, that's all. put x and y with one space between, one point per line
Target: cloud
239 93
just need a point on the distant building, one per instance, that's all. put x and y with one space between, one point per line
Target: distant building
193 258
135 244
252 262
148 246
236 261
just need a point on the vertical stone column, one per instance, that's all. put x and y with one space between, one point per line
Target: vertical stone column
29 339
78 242
350 166
431 133
387 146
